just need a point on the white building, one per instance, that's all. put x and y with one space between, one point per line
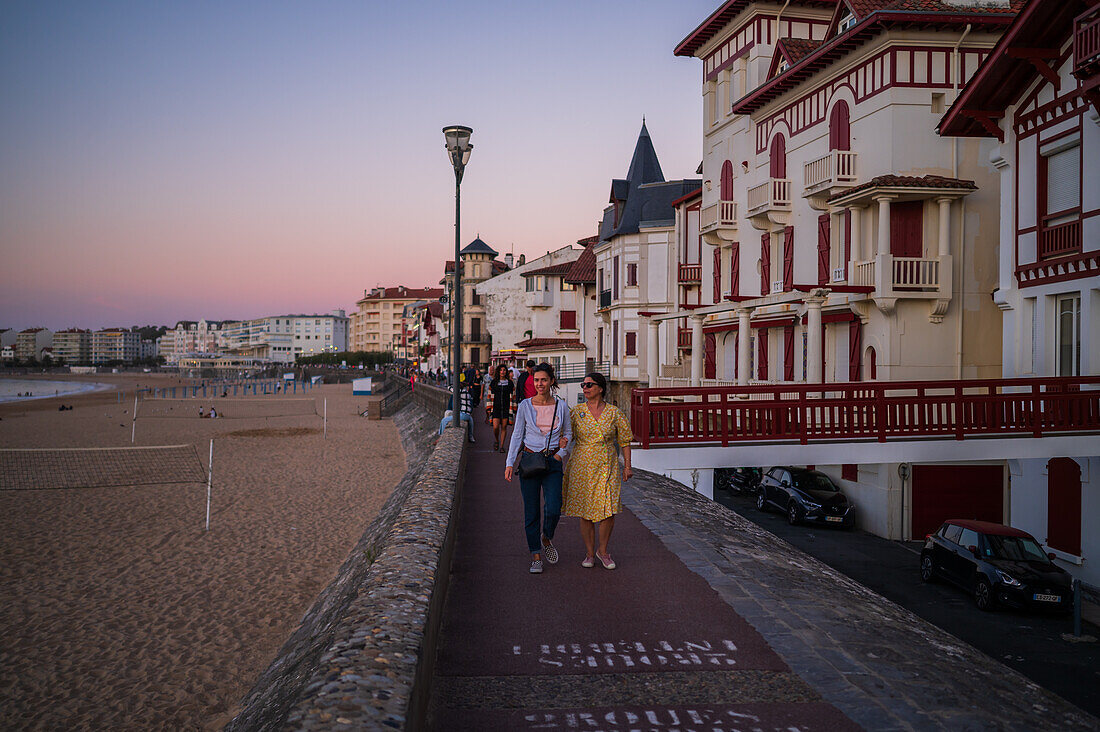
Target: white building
1045 118
32 343
115 345
73 346
283 338
514 305
191 337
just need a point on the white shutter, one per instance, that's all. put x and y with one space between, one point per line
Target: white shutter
1064 180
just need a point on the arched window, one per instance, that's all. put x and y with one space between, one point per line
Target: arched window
727 181
778 157
840 133
872 363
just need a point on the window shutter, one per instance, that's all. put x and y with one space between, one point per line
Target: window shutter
855 346
735 268
717 275
778 157
710 363
788 259
823 249
765 264
727 181
615 343
568 320
615 278
847 240
788 353
1063 180
762 354
907 229
839 127
632 343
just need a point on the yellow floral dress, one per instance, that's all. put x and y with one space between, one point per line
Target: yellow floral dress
592 476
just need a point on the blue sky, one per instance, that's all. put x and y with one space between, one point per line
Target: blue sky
163 161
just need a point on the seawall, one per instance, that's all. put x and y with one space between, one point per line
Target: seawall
363 652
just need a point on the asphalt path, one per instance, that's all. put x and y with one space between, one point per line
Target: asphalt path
1035 645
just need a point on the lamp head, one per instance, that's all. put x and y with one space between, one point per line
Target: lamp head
458 144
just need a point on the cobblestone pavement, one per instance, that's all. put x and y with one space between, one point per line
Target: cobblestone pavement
879 664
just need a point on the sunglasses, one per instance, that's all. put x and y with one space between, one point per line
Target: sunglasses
586 384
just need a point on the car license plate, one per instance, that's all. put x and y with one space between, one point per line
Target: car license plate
1047 598
837 519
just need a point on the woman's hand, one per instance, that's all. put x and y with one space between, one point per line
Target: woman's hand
627 473
558 457
508 473
563 442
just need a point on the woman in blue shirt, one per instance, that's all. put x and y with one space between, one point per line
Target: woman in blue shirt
542 422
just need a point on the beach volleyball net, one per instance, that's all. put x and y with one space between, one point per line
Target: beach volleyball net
228 408
99 467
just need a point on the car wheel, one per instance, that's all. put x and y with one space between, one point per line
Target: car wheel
983 594
793 515
761 502
927 569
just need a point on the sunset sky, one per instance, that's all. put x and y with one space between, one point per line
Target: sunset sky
182 160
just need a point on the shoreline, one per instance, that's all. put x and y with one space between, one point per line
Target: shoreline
74 388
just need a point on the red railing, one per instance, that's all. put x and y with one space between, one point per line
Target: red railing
865 410
1054 241
683 338
1086 39
691 273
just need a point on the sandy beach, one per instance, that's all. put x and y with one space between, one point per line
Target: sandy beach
118 611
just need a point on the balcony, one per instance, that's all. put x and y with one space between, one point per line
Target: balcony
828 175
475 338
605 299
1060 240
539 299
896 278
718 222
683 337
690 274
1086 54
770 204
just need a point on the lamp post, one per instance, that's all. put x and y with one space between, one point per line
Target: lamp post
458 149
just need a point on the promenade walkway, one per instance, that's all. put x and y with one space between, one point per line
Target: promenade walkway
709 623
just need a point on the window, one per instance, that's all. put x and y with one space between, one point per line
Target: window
951 532
531 284
1068 334
1060 196
615 343
615 278
846 22
849 471
567 286
632 275
568 320
968 538
631 343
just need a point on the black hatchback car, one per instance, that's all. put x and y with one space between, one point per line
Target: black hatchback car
805 496
997 564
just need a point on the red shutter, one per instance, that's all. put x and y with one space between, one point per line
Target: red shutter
631 343
717 275
788 353
847 241
615 343
855 347
778 157
906 229
710 363
840 127
788 259
823 249
568 320
762 354
1064 505
735 268
765 264
727 181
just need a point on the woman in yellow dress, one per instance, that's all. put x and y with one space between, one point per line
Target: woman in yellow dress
592 480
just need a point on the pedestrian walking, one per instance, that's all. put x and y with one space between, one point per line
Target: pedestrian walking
525 386
501 389
475 387
540 443
487 393
593 481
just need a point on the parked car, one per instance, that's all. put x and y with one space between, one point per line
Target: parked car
805 496
997 564
738 480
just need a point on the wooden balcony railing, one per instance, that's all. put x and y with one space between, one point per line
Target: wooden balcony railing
690 273
836 168
915 273
773 194
1056 241
683 338
718 215
1086 40
866 411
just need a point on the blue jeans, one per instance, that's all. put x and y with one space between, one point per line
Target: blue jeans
549 485
466 419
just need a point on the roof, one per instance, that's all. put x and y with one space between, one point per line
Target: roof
908 181
398 293
583 268
553 270
551 344
1001 80
477 246
435 308
717 20
796 49
644 165
873 16
988 527
32 330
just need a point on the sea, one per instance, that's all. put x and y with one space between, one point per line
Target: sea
15 390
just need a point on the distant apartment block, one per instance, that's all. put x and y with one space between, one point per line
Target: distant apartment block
115 344
376 324
73 346
32 342
282 338
190 336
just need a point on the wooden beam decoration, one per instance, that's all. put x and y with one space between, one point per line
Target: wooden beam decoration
986 119
1039 58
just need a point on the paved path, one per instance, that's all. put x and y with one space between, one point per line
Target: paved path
709 623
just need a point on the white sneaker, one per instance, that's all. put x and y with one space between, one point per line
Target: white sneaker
536 566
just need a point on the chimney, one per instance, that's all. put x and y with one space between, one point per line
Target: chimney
522 260
508 260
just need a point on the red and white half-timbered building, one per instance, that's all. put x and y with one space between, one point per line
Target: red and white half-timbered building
1038 101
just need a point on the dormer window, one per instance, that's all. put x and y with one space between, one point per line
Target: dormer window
845 23
783 66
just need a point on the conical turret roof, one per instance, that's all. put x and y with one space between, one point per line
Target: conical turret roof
644 166
477 246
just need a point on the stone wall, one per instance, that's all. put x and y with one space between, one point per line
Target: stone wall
432 399
362 656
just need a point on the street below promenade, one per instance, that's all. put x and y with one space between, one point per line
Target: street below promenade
1030 643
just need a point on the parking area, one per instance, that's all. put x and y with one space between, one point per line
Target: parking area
1038 646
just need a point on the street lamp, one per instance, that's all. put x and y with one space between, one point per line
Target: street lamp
458 149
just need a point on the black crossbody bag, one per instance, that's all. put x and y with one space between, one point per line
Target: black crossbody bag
537 464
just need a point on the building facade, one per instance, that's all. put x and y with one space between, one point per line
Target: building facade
283 338
479 263
115 345
73 346
32 343
376 323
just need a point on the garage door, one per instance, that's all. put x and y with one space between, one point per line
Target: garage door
941 492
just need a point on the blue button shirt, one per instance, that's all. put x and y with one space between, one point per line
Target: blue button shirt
527 432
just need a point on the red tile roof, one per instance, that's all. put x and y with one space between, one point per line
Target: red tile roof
710 27
863 8
404 293
908 181
551 344
796 49
553 270
583 270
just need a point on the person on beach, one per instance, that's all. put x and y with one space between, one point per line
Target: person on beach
592 482
501 389
542 424
200 413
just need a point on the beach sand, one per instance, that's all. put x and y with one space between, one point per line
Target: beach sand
117 609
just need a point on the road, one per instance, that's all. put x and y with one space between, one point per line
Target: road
1031 644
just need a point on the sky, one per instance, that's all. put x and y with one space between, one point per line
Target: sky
164 161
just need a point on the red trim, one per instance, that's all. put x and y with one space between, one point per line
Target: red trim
1059 270
698 192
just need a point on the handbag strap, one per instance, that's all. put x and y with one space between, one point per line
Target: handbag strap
553 422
